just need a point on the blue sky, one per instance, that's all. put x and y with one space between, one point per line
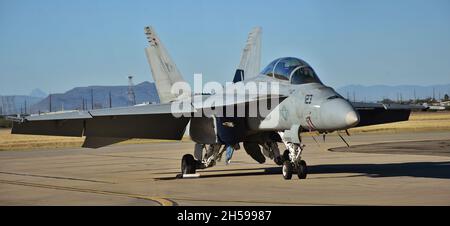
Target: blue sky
57 45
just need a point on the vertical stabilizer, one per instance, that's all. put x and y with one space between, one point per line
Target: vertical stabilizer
164 71
251 55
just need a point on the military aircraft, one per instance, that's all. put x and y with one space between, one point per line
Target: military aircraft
300 103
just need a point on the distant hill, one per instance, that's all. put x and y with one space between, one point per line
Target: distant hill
15 104
404 92
38 93
73 99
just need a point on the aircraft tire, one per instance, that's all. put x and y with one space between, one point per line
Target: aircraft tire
302 170
188 164
278 160
285 155
287 170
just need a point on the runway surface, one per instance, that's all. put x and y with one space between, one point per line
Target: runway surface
377 170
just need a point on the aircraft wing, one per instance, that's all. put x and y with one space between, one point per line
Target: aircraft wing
154 121
376 113
112 125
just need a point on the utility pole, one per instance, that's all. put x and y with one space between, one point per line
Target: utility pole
92 99
415 98
50 103
131 94
110 100
433 95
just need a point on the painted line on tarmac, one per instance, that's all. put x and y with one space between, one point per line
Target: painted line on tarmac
161 201
55 177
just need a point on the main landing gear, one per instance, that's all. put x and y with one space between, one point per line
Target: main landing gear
189 164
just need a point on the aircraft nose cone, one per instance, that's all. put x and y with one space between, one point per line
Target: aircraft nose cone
351 118
338 114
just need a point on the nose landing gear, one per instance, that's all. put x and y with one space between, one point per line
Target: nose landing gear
289 168
292 161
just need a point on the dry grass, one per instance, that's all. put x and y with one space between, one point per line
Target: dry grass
419 121
10 141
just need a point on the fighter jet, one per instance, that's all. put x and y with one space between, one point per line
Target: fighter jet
284 100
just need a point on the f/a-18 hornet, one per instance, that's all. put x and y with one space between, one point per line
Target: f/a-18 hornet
257 109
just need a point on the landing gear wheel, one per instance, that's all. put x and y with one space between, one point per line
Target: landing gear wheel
278 160
188 164
302 170
285 155
287 170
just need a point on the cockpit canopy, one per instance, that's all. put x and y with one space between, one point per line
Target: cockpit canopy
291 69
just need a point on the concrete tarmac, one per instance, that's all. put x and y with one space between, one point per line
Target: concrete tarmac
399 171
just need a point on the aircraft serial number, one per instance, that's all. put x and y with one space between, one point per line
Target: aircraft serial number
308 99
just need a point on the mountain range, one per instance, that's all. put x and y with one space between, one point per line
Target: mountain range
401 92
74 98
39 101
